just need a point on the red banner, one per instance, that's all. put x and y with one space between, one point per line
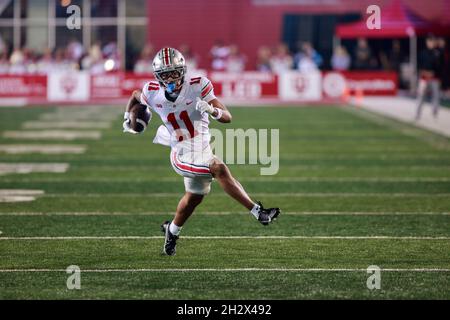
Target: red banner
245 86
116 85
29 86
335 84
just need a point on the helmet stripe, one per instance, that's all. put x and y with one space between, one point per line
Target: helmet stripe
169 56
166 56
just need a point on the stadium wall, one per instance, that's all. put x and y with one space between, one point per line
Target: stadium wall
248 23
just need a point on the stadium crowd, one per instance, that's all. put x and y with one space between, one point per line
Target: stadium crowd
222 57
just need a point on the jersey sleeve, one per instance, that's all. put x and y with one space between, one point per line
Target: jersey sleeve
207 90
148 91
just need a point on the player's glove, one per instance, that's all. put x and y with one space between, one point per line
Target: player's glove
203 106
126 123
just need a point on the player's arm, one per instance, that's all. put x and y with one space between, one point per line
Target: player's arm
215 108
225 113
135 98
207 102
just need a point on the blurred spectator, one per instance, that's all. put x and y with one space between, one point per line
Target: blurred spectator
363 56
445 62
4 63
281 61
263 62
3 47
45 63
191 58
17 64
430 66
144 63
111 55
394 59
340 60
94 60
236 60
75 50
307 51
219 53
61 63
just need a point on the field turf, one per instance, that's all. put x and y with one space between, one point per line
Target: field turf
355 190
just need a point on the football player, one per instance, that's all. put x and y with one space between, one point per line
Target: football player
185 106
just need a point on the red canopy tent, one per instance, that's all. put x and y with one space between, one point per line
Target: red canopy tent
397 21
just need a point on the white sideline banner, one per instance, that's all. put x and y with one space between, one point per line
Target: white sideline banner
68 86
300 86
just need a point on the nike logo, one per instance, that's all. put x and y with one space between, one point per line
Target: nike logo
189 102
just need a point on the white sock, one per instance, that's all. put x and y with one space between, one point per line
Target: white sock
255 210
174 229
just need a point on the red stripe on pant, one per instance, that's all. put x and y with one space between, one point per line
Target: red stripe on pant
188 167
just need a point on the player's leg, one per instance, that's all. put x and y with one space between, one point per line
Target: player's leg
229 184
232 187
196 189
421 90
435 92
185 208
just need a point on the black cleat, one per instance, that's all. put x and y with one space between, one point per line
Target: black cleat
170 241
266 216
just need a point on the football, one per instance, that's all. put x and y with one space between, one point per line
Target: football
140 116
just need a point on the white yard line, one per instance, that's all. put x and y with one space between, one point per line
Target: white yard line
229 238
254 179
53 134
16 198
66 125
220 213
328 179
19 195
43 149
24 168
280 194
235 270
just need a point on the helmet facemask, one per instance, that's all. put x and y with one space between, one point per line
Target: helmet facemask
171 79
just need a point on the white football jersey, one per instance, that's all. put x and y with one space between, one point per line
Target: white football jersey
182 121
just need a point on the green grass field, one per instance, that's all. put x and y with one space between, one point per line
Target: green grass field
355 190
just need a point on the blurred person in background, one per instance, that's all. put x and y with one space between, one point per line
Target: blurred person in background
17 62
219 54
281 61
45 63
4 63
236 61
441 44
61 62
307 51
263 59
111 55
364 60
75 50
191 58
144 64
3 47
394 59
94 60
340 61
307 64
430 66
